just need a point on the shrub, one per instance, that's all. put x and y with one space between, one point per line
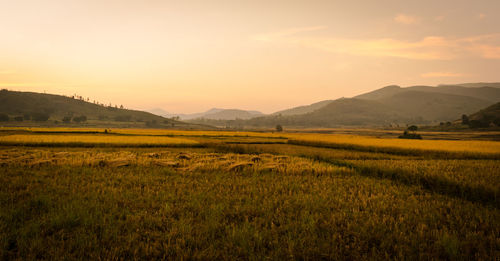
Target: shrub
19 118
413 128
4 117
478 124
465 120
407 135
79 119
40 116
66 119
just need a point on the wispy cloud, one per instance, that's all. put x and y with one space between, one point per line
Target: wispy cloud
440 75
406 19
428 48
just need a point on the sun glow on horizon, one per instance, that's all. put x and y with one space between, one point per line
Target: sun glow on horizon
190 56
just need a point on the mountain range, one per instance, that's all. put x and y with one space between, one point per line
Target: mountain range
212 114
390 105
385 106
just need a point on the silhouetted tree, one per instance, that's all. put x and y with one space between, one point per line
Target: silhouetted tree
4 117
279 128
465 120
410 133
413 128
66 119
478 124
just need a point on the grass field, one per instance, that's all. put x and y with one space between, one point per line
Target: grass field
159 194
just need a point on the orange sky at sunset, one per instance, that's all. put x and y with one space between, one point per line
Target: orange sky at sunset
189 56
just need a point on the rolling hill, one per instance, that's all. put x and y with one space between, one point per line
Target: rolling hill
57 107
486 117
303 109
433 107
486 93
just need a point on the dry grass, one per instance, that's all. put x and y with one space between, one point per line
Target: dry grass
93 140
384 144
226 206
372 199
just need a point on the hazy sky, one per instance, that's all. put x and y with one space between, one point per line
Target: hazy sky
189 56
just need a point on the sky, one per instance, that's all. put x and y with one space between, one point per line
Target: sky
189 56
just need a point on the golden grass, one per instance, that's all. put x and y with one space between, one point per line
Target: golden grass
159 136
36 139
425 145
182 162
153 132
225 206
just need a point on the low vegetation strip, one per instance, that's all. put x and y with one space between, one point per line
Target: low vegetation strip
95 140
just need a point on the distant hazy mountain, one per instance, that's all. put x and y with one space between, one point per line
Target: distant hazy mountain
160 112
388 105
303 109
224 114
477 84
481 92
212 114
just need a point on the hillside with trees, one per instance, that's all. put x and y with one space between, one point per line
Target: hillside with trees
28 107
387 106
488 117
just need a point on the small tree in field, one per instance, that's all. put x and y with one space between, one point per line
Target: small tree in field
411 133
279 128
413 128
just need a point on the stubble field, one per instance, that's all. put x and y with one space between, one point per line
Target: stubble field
159 194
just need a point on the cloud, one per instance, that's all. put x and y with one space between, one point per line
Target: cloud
440 75
406 19
481 16
427 48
